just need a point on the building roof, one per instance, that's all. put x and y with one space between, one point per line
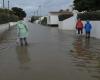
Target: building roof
60 13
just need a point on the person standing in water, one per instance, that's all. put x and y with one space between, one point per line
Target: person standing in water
88 28
22 31
79 26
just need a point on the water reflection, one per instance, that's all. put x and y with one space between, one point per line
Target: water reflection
22 53
23 57
86 57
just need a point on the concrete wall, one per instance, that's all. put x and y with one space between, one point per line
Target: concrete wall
68 24
95 29
5 27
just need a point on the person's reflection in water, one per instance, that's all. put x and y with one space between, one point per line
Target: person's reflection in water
87 43
78 46
82 49
23 56
84 57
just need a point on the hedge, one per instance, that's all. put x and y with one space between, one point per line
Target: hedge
34 18
89 16
64 16
44 21
7 16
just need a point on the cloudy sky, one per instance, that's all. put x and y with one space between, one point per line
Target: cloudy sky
33 5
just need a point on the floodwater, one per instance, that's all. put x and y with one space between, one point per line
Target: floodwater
52 54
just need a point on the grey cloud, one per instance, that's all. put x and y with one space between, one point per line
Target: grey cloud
46 5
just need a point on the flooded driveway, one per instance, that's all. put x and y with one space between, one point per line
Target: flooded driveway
52 54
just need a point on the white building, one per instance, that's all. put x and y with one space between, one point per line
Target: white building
52 18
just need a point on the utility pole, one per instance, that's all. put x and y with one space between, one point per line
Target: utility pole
8 13
3 4
39 8
37 12
34 13
8 4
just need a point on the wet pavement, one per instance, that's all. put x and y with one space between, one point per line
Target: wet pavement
52 54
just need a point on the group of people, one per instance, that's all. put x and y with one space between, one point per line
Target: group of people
87 27
22 30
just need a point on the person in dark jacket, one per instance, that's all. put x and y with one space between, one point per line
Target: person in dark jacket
88 28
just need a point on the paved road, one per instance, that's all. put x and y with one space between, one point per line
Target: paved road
51 55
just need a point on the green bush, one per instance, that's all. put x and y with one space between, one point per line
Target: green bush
7 16
44 21
64 16
13 18
89 16
34 18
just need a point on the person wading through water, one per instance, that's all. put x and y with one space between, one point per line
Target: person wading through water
88 28
79 26
22 31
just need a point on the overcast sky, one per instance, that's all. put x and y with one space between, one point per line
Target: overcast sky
32 5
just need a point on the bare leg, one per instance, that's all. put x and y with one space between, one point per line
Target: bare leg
25 40
21 41
88 34
81 31
78 31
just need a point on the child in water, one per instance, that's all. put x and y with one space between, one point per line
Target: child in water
88 28
22 30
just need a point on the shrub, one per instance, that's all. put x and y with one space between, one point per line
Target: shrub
89 15
44 21
64 16
13 18
7 16
34 18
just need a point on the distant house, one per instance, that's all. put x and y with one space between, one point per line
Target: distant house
53 17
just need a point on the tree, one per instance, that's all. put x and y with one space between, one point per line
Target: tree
44 21
7 15
87 5
19 12
61 10
34 18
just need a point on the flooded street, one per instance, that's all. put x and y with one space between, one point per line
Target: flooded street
52 54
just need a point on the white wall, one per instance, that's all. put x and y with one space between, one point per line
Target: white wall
52 20
95 32
13 23
5 27
68 24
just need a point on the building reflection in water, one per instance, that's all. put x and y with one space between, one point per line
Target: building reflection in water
86 57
